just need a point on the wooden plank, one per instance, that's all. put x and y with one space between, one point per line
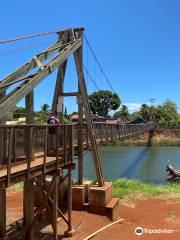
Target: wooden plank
30 85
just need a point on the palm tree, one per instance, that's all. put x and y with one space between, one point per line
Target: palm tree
45 107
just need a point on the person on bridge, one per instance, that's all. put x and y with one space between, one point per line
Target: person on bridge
52 120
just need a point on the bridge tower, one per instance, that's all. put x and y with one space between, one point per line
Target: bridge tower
69 42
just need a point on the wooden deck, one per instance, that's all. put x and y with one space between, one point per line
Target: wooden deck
19 172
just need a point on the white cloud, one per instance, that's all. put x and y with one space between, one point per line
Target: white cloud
132 107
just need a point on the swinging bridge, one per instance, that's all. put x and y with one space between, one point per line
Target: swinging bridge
26 152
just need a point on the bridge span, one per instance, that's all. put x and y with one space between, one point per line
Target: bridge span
31 150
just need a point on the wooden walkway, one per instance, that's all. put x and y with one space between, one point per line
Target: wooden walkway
31 150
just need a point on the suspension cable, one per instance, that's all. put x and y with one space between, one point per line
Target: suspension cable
37 35
105 76
23 48
92 79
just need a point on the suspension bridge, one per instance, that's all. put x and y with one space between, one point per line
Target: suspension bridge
30 152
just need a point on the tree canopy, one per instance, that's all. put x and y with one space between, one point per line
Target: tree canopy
122 114
102 102
166 115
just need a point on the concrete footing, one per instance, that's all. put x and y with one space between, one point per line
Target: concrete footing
100 196
80 194
94 199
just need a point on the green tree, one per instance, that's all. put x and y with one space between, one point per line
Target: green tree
123 113
102 102
19 112
144 111
45 107
169 111
41 116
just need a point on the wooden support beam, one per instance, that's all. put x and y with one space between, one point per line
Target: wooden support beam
82 85
2 121
2 190
70 94
10 148
25 89
80 137
2 213
69 201
29 102
30 65
28 207
55 207
28 184
59 88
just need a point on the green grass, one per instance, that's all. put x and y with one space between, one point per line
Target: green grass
125 187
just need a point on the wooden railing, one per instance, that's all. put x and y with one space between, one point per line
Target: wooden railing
33 146
110 133
27 144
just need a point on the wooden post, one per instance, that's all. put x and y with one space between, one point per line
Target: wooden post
2 213
2 190
59 88
28 206
2 140
78 61
29 107
69 201
80 136
28 184
55 207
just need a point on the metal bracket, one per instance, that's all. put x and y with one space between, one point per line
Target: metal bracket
39 64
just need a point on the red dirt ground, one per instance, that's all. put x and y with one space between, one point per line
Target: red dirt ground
152 213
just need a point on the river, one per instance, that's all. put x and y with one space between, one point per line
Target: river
146 164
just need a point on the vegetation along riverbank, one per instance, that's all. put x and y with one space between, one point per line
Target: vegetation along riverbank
123 188
155 141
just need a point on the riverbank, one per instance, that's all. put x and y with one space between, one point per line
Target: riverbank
124 188
155 141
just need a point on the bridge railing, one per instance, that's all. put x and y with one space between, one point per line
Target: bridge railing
109 132
27 144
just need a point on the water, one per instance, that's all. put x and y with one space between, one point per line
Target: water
147 164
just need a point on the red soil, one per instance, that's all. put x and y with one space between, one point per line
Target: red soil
146 213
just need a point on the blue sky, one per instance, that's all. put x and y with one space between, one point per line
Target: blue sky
137 42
